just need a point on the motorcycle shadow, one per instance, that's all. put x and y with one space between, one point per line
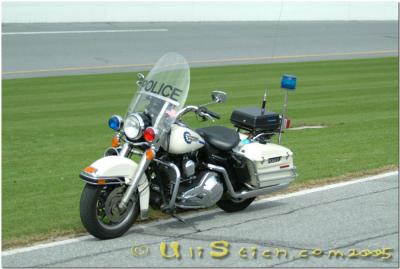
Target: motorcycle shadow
201 220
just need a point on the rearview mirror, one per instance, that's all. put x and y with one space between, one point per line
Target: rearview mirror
140 76
218 96
140 80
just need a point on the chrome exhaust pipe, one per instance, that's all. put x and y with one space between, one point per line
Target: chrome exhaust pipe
262 191
246 193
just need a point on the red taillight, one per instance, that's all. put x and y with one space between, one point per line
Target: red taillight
286 123
284 166
149 134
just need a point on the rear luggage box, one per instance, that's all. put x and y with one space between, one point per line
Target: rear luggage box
251 119
268 164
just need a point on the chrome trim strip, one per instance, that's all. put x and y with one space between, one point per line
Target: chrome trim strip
93 180
293 170
189 207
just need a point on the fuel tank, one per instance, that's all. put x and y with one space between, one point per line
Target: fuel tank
182 140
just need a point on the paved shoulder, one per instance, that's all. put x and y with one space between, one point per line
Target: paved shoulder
342 226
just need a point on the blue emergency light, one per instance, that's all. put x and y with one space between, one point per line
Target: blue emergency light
115 122
288 82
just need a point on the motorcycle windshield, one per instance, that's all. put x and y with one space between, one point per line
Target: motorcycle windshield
164 91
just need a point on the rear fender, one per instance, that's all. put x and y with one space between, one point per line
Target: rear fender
112 170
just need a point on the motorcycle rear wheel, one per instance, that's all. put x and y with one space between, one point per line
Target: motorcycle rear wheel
99 214
234 206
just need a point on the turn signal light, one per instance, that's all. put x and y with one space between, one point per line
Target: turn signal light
115 142
150 154
90 170
101 181
149 134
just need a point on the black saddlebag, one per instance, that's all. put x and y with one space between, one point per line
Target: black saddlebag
250 119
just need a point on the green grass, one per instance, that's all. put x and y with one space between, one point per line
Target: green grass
54 127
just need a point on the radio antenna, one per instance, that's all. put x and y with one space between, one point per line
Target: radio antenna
263 103
275 35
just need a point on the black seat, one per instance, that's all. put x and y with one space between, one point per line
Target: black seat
220 137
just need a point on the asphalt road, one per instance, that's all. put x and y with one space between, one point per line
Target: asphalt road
32 50
361 215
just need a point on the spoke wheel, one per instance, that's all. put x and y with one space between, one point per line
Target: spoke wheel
100 213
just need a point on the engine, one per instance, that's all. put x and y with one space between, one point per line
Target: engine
206 191
197 189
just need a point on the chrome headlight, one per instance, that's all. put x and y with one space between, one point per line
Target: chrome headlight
133 126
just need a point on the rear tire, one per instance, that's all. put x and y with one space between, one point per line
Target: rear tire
92 198
233 206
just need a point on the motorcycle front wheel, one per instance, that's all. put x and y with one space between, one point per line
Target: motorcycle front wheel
100 214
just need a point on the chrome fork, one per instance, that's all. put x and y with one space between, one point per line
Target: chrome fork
126 148
135 182
125 151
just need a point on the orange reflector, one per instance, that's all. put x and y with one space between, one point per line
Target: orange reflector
150 154
115 142
90 169
284 166
101 182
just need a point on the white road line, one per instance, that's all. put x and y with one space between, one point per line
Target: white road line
85 32
275 198
45 245
327 187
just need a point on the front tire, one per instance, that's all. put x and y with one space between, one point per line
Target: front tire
234 206
98 211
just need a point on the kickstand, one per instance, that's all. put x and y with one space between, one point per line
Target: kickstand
184 222
179 218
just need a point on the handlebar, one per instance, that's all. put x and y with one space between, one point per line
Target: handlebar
185 110
201 111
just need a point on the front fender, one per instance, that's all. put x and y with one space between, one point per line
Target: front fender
118 170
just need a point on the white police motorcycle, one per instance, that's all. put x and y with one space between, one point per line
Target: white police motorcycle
181 168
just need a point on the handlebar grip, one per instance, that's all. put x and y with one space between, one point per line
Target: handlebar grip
213 114
203 109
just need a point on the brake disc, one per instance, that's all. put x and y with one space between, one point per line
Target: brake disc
113 212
